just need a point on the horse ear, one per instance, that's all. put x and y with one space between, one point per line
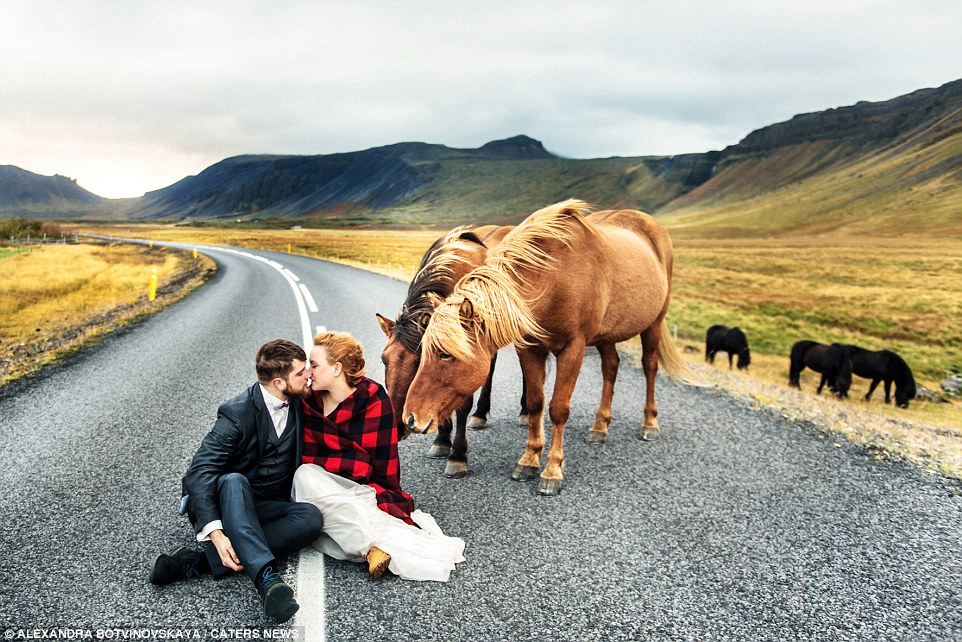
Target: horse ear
434 299
387 326
467 309
423 320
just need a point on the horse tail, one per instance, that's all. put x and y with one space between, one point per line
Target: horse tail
670 359
797 362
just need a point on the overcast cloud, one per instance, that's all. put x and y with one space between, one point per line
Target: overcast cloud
131 96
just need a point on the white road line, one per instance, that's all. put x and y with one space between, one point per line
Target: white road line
310 567
310 580
308 298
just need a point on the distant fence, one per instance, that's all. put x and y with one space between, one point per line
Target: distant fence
26 244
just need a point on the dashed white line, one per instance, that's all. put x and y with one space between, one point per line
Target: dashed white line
308 298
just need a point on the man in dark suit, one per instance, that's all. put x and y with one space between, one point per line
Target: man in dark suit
237 490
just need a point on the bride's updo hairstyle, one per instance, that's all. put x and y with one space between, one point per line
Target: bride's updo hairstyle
342 347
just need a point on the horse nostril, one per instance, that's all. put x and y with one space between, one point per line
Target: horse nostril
412 425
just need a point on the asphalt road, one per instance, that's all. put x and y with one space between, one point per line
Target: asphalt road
735 525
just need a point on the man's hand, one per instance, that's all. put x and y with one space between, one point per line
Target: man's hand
226 551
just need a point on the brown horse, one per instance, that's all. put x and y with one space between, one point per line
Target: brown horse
560 281
446 261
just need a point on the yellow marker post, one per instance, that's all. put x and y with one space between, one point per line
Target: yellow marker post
288 248
152 292
195 252
151 245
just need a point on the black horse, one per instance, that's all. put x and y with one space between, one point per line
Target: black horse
884 365
833 362
721 338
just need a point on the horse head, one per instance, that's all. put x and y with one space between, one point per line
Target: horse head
400 360
454 362
744 358
905 389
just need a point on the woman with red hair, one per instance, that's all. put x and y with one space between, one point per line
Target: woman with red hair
351 472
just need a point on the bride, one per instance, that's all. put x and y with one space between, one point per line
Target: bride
351 472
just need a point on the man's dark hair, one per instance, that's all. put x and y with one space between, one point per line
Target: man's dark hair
275 358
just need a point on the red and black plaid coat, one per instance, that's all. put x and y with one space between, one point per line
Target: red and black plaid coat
358 440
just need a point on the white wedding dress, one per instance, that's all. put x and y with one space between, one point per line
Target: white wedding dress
353 524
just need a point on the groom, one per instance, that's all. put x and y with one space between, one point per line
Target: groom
237 490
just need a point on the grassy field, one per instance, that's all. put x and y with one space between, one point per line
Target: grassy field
873 292
55 299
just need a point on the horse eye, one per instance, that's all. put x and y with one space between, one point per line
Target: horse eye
444 356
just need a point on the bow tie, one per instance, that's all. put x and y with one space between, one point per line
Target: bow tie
280 406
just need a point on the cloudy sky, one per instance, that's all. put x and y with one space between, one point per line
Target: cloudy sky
129 96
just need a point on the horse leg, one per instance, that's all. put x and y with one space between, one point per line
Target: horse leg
609 371
457 465
649 364
533 361
730 360
480 417
871 388
888 391
441 447
821 384
566 375
523 413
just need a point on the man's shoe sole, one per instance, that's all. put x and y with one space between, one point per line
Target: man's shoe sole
279 603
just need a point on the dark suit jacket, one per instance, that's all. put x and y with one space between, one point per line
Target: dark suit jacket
234 445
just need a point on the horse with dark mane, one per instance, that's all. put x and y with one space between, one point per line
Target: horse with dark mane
833 362
446 261
721 338
887 366
533 291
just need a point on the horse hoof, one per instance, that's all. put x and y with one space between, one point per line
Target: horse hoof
596 437
524 473
477 423
456 470
550 487
439 452
522 420
650 434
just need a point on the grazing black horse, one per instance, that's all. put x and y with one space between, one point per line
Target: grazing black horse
884 365
721 338
833 362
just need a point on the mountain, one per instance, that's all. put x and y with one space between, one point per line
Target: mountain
869 168
24 193
418 183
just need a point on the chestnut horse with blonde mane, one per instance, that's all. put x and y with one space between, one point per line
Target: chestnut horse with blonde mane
445 262
562 280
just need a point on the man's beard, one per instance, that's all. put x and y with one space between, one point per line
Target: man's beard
297 394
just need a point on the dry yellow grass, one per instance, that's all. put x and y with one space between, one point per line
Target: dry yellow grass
54 299
904 296
392 252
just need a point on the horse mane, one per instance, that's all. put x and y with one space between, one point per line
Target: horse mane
499 310
434 280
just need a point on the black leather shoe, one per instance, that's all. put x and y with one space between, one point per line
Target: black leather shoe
178 564
277 597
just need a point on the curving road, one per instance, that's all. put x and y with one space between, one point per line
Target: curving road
735 525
